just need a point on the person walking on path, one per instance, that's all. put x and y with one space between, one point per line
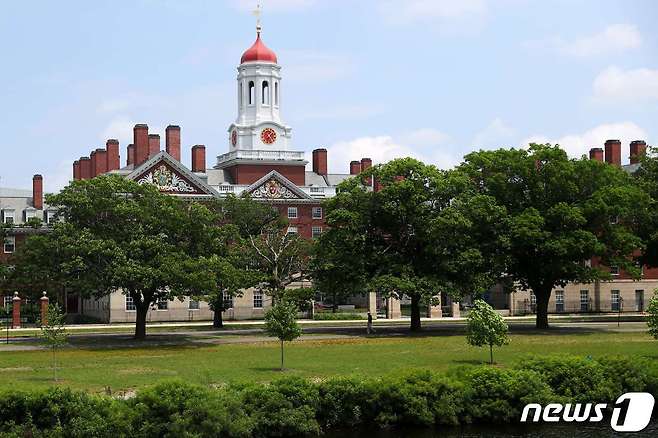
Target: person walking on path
370 330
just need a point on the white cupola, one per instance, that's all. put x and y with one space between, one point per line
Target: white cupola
258 125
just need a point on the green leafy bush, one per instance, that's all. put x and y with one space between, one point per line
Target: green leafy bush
294 406
498 395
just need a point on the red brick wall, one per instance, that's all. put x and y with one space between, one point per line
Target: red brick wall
20 239
304 220
250 173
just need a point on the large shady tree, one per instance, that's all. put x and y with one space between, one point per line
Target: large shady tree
567 218
421 232
132 238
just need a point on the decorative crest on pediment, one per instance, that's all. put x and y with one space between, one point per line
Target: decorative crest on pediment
166 180
273 189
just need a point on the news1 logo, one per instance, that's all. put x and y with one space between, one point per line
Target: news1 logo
631 412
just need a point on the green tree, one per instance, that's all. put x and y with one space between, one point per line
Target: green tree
281 323
560 213
647 177
486 327
138 239
652 315
53 333
422 232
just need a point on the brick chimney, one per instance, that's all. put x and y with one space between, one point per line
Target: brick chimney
130 154
355 167
596 154
172 141
199 158
366 163
154 144
320 161
112 149
76 170
141 142
37 192
613 152
85 168
101 162
637 150
92 159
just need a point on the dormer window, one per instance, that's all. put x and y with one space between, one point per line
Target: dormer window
252 93
29 214
50 217
8 216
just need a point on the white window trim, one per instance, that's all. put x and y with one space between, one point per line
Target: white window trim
614 274
225 299
125 304
292 230
313 229
262 300
12 239
189 303
157 307
9 213
313 212
291 209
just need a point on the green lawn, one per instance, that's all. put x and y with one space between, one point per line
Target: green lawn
126 368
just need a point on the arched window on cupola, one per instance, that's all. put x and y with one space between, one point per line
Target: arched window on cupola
276 94
240 97
252 93
265 100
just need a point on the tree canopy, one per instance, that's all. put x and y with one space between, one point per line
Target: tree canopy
566 218
417 235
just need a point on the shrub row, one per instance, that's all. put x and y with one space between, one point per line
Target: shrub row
338 316
294 406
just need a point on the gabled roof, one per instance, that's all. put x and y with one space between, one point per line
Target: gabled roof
274 187
170 176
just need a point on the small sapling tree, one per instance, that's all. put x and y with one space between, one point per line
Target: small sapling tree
652 315
53 333
486 327
281 322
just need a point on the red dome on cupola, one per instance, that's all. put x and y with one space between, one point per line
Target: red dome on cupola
258 52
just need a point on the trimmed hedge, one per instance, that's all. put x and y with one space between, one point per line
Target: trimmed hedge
294 407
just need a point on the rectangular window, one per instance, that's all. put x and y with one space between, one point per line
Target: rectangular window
258 300
584 300
292 230
162 304
130 304
639 300
8 301
292 212
29 214
10 244
228 301
614 301
316 231
8 216
533 298
317 212
193 304
50 217
614 270
559 301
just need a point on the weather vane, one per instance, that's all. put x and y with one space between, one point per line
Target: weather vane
257 13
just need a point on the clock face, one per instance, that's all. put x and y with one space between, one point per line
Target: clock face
234 137
268 135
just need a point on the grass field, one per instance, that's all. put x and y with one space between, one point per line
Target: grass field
134 367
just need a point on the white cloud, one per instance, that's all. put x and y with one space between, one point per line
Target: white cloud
494 135
615 84
423 144
613 39
121 128
580 144
411 11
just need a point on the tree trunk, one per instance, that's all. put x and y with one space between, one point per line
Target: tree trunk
542 296
491 354
415 313
141 310
281 355
218 308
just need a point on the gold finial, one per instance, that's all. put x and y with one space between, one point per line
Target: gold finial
257 12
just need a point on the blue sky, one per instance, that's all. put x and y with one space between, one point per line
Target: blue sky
433 79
